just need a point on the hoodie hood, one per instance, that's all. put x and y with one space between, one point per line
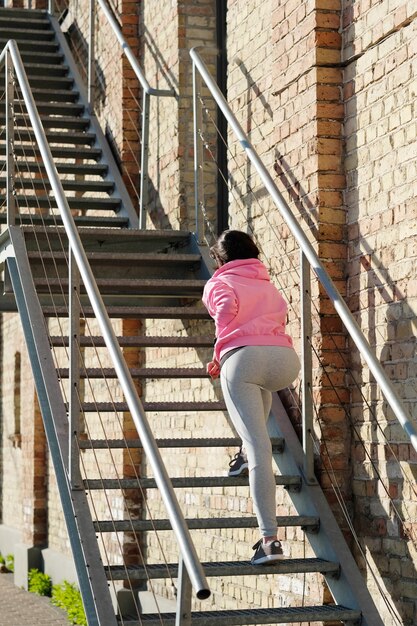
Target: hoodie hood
247 268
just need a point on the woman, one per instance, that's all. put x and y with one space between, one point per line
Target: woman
254 357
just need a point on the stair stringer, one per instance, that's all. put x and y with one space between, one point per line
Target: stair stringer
101 142
349 588
90 571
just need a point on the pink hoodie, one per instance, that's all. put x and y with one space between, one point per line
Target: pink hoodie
247 308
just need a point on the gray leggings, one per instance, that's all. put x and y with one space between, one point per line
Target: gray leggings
248 378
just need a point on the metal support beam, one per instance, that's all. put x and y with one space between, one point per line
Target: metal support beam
183 614
307 375
198 157
10 163
91 74
144 178
74 375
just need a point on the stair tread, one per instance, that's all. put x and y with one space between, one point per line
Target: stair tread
28 44
74 203
142 286
184 482
235 617
58 137
68 185
59 152
140 372
81 220
195 442
283 521
228 568
107 407
135 312
127 258
140 341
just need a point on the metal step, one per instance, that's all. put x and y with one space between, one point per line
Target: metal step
140 342
81 186
288 615
307 523
81 204
39 35
230 568
140 372
28 45
50 108
136 312
111 407
199 482
58 137
59 152
42 69
93 169
25 23
40 57
157 260
128 286
35 14
209 442
62 121
81 220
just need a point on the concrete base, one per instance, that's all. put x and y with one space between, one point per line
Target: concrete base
9 537
59 567
126 604
25 558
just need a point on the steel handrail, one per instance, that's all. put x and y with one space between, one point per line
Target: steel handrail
341 307
187 549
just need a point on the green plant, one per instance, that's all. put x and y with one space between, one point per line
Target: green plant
67 597
39 583
2 560
10 562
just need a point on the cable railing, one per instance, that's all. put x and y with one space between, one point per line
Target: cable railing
36 172
310 258
101 6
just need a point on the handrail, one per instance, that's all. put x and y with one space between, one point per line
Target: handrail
175 515
147 92
341 307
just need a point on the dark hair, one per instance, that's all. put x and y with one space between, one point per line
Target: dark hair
232 245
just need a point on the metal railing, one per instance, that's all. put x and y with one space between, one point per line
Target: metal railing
10 56
147 92
309 259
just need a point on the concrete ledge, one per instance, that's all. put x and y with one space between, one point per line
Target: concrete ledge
59 566
9 537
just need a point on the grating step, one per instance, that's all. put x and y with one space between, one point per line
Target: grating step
81 221
231 568
127 286
51 108
219 442
40 57
39 35
49 82
35 14
62 121
59 137
19 22
82 204
140 342
111 407
93 169
287 615
40 69
140 372
53 95
136 312
128 258
28 45
60 152
185 482
81 186
308 523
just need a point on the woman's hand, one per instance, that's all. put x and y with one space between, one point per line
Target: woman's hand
213 369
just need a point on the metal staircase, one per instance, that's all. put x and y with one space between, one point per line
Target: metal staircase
141 275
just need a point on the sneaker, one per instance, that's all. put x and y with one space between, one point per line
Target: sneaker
239 464
266 552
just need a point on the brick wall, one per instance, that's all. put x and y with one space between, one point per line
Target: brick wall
380 56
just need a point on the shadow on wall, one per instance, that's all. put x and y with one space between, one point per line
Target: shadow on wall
385 469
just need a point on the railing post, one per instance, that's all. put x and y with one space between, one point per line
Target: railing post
144 178
91 77
10 164
51 6
183 614
198 156
74 374
307 370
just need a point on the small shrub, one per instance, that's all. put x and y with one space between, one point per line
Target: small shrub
66 596
39 583
10 562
